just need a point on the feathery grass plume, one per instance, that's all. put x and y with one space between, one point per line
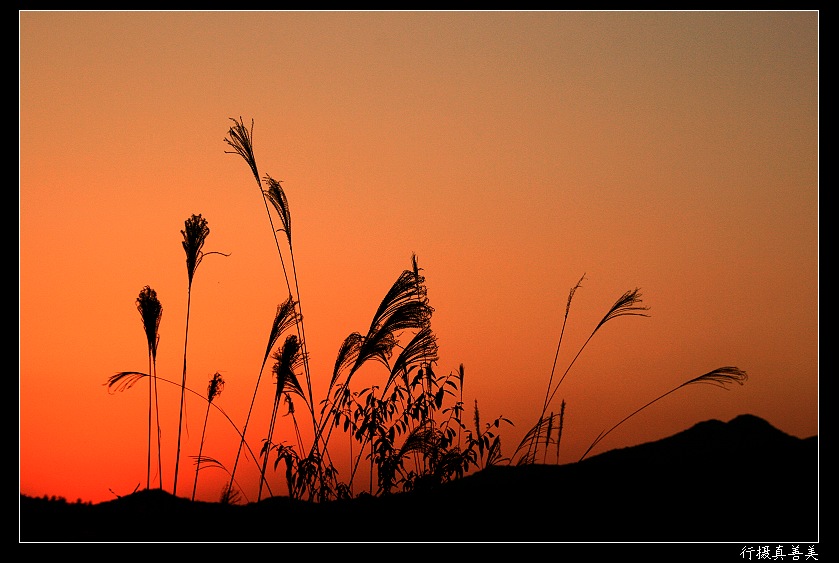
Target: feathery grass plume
124 380
720 377
288 359
628 304
409 287
422 349
194 236
528 447
214 389
347 355
242 142
383 335
477 419
558 346
404 308
380 341
151 311
461 373
559 428
284 318
548 436
229 495
276 196
424 439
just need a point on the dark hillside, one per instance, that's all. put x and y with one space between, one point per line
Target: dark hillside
741 481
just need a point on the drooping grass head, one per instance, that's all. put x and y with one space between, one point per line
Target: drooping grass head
285 317
241 139
276 195
151 312
288 359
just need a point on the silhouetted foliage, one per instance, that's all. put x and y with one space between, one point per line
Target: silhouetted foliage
405 431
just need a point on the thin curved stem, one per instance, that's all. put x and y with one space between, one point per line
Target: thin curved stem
247 421
183 387
119 381
200 451
151 400
157 417
718 377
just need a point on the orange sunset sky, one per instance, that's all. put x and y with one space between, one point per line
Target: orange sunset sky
513 152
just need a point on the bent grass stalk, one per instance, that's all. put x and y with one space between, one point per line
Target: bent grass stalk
556 355
288 359
229 495
214 389
277 197
720 377
628 304
401 309
240 139
285 316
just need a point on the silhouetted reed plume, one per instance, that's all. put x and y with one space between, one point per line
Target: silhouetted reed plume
151 311
276 196
288 359
628 304
194 235
214 389
240 139
285 317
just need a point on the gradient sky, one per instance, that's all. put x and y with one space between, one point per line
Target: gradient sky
513 152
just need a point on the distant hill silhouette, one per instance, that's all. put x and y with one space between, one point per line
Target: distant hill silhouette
742 481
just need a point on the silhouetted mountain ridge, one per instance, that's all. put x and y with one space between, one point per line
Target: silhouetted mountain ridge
742 481
743 433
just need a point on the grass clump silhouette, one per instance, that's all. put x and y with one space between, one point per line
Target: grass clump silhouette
405 433
628 304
